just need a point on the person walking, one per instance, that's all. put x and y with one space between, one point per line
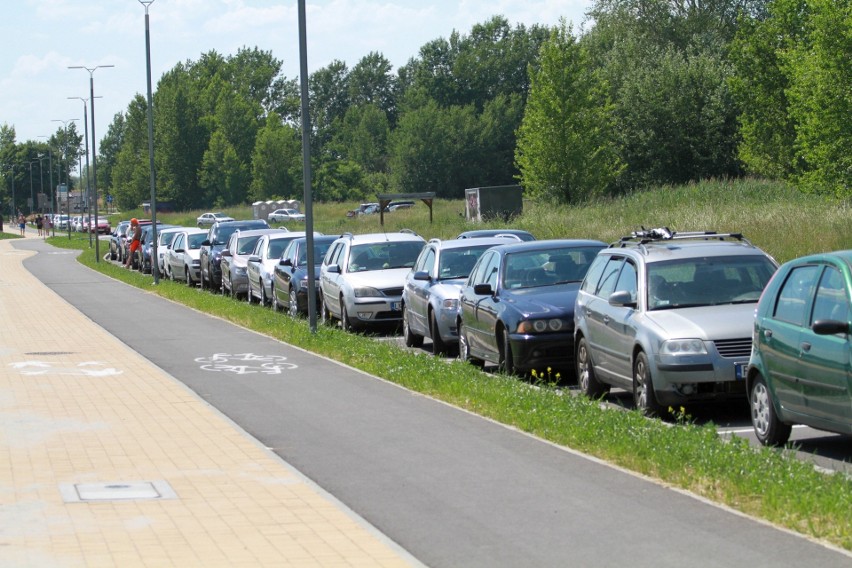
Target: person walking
22 224
135 238
39 223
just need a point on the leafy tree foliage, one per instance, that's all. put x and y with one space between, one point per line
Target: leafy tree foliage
276 162
564 150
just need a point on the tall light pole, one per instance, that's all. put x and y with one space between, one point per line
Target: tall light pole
91 71
86 138
65 159
306 165
32 194
155 266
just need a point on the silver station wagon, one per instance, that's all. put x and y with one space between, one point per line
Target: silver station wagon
669 317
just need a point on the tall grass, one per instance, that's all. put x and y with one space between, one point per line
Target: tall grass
767 483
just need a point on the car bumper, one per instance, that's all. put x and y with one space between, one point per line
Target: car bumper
375 311
540 352
707 378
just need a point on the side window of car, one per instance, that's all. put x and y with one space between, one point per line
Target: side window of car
609 277
830 302
593 276
428 260
476 277
178 242
331 255
627 280
795 293
491 271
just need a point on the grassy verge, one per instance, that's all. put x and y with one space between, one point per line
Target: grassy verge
766 483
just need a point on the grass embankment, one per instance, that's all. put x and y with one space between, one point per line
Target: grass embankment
761 482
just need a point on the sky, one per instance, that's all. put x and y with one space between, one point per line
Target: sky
40 39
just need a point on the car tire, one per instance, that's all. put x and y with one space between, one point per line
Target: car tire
439 346
643 387
507 359
411 339
264 300
464 348
293 304
325 315
345 322
586 379
770 431
249 297
201 280
276 307
188 277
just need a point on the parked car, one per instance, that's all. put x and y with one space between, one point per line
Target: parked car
211 249
364 209
164 242
479 233
430 298
62 222
144 253
184 256
668 316
116 240
134 262
261 264
234 258
517 307
800 371
77 223
208 219
290 277
285 215
362 276
103 227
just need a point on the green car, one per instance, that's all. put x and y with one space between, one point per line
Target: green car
800 371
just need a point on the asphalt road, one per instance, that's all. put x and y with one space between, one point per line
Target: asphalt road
450 487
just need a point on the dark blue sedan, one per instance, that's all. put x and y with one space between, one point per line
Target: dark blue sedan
516 309
290 278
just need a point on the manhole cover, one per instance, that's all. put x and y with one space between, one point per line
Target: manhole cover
116 491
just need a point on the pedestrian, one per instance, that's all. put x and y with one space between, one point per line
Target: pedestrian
135 238
39 223
22 224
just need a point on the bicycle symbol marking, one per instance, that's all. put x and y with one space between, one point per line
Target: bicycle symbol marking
246 363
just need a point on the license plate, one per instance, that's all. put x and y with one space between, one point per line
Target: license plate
395 306
740 370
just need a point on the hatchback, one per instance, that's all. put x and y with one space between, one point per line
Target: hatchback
800 370
668 317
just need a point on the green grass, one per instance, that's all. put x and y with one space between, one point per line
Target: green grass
767 483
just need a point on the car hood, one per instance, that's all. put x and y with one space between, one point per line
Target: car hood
390 278
545 301
448 289
730 321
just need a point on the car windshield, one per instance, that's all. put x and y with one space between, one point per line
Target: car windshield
245 245
196 239
382 256
223 233
459 263
707 281
535 268
277 246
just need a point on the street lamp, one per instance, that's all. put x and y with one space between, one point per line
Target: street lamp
86 137
91 71
67 168
155 266
32 194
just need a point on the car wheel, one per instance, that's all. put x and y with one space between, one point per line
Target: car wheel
293 304
643 387
345 322
264 301
769 430
188 276
249 297
325 315
507 360
586 379
464 348
439 346
201 279
411 338
276 307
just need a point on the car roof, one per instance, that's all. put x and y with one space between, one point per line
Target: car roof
471 242
255 232
841 255
491 232
383 237
548 244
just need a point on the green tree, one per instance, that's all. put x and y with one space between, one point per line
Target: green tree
131 173
108 152
223 176
276 162
565 146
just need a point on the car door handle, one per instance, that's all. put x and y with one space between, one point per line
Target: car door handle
806 346
606 320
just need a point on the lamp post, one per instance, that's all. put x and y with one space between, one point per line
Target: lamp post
91 71
32 194
41 178
65 159
155 266
86 138
306 164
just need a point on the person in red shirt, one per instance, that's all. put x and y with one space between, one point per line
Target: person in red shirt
135 237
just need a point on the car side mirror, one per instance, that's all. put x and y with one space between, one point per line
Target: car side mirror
333 268
285 262
205 243
830 327
622 298
422 275
483 289
226 252
254 258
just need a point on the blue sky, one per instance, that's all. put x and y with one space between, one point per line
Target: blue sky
39 39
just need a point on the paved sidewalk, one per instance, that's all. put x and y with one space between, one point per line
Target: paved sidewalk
105 460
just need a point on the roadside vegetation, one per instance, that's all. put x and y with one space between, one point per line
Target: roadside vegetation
770 484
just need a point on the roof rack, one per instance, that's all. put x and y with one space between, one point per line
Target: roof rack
662 234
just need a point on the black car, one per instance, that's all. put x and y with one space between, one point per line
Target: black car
516 308
477 233
116 241
290 280
211 249
143 253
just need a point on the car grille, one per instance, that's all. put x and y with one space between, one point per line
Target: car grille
392 291
733 348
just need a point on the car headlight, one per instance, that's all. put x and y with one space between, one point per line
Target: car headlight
240 270
367 292
543 325
452 305
683 347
